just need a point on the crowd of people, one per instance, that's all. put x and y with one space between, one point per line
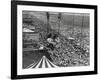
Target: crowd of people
65 52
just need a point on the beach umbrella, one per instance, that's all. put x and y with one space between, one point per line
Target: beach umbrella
43 63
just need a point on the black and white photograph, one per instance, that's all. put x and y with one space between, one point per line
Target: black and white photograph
54 40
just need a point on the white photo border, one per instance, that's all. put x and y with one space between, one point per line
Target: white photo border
21 71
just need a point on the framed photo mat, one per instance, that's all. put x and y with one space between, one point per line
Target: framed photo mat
14 38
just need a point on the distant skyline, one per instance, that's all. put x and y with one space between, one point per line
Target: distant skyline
67 18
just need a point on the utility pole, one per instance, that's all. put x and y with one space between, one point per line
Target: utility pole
73 24
82 27
48 16
82 20
59 20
